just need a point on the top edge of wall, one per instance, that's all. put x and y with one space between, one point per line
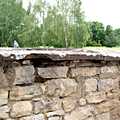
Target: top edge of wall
59 54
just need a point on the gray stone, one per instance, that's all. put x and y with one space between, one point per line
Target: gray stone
4 112
53 72
21 108
3 97
109 84
25 92
24 75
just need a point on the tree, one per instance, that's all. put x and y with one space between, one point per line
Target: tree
97 32
11 16
110 40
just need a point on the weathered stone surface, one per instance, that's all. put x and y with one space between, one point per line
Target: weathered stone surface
104 116
34 117
53 72
84 71
115 114
4 112
25 92
80 113
3 81
107 106
45 104
90 118
109 69
82 101
69 104
21 108
3 97
61 87
91 85
54 118
109 84
24 75
96 97
55 113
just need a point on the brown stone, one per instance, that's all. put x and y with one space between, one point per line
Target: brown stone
109 69
107 106
4 83
69 104
45 104
53 72
96 97
82 101
25 92
80 113
24 75
115 113
84 71
61 87
104 116
21 108
91 85
3 97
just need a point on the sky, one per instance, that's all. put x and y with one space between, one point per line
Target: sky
105 11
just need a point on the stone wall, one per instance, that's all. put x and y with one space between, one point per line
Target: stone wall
38 89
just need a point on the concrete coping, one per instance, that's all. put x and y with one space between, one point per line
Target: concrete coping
59 54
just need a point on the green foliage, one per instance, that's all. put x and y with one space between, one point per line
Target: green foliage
59 25
11 16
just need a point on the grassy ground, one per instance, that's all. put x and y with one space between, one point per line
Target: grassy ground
103 48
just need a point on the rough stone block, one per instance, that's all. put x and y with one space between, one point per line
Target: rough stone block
84 71
61 87
45 104
80 113
82 101
69 104
4 112
109 69
109 84
34 117
56 113
3 97
53 72
107 106
55 118
96 97
25 92
104 116
91 85
24 75
3 81
21 108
